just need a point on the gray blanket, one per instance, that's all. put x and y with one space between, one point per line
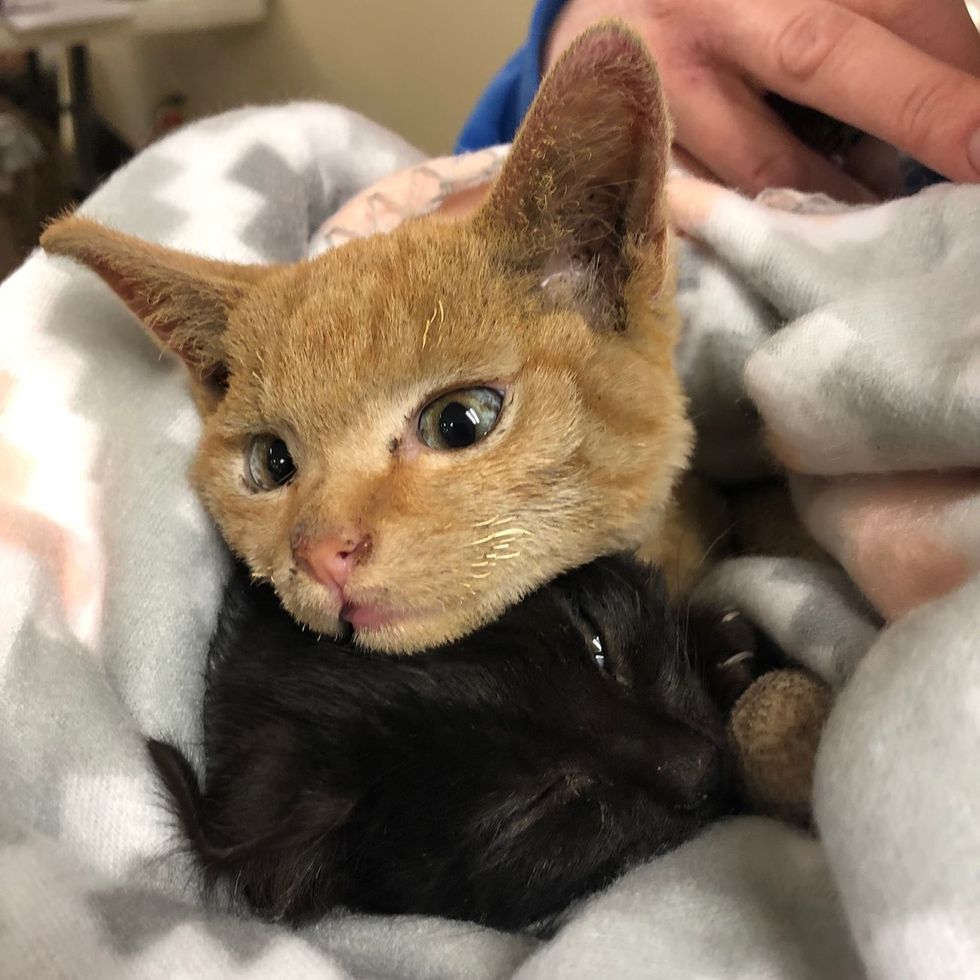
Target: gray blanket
112 576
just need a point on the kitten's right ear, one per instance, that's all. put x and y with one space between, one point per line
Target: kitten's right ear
183 300
579 201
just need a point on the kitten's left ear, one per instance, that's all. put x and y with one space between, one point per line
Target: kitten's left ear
579 201
183 300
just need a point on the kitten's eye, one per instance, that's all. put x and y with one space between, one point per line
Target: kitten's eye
459 418
595 643
598 652
270 464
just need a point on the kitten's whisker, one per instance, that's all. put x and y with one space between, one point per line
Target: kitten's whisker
513 554
428 323
490 521
721 536
481 575
510 532
439 311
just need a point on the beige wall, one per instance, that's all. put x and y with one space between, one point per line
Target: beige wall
414 65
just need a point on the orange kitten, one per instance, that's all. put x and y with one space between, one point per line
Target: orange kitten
413 431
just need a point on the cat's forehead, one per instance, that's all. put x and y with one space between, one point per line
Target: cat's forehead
389 321
418 299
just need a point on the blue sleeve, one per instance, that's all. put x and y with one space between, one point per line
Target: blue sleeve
502 106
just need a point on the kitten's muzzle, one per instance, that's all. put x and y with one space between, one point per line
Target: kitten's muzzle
331 558
681 767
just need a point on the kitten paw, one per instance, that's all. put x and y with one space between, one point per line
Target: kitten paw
731 652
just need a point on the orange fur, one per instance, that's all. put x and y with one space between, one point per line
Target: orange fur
558 291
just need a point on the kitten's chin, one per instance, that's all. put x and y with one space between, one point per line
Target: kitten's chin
407 632
402 632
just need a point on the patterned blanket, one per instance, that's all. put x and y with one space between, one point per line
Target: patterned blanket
842 348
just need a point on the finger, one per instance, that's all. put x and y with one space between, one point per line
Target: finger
692 165
829 58
720 122
942 28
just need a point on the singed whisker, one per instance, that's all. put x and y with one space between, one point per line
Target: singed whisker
428 323
510 532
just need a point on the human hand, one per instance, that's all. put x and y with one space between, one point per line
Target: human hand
901 70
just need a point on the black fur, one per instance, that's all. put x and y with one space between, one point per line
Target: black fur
496 779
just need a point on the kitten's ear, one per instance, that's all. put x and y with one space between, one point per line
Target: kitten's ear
580 199
183 300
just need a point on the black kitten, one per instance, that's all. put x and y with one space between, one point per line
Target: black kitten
495 779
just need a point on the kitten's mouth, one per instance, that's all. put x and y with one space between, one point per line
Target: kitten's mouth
365 617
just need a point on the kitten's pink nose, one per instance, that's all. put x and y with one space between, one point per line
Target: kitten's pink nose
331 559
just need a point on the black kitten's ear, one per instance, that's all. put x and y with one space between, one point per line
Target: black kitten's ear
580 199
180 780
284 858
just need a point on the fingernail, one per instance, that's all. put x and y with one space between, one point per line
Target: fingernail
973 151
